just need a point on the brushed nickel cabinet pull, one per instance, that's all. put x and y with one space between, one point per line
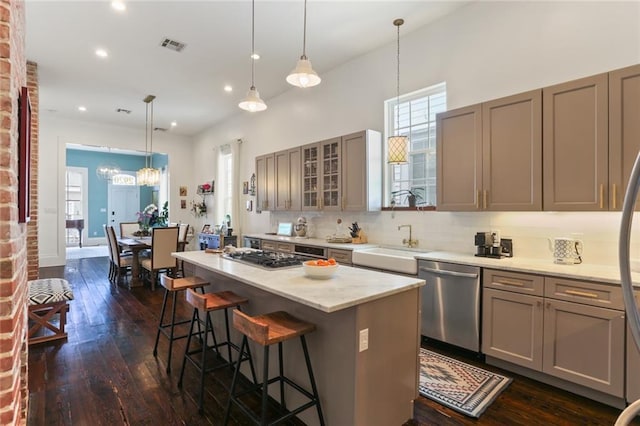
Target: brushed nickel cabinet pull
343 202
539 303
484 199
548 305
601 196
478 199
511 283
614 196
582 294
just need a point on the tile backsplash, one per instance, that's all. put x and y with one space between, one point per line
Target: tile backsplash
450 231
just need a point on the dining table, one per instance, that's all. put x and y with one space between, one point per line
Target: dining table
135 245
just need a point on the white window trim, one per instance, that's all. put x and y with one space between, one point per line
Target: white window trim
389 123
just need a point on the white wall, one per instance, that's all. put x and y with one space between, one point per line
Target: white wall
483 51
56 133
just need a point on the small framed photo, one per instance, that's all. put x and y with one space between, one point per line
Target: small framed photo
183 191
245 188
206 229
183 204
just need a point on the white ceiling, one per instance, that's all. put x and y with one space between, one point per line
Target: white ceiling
63 35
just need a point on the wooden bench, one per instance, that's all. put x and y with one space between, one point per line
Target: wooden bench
48 297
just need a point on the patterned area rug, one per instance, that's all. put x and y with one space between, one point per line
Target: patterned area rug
463 387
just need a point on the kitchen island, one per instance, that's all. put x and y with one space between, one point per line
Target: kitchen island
370 386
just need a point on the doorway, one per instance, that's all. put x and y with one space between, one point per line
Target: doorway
123 202
76 204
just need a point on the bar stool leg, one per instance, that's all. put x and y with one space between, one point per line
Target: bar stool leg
226 325
234 381
281 365
173 323
164 306
203 365
265 385
194 317
311 378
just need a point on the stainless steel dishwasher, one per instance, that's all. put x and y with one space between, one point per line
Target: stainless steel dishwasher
451 303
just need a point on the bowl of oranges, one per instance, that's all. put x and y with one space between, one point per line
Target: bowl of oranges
320 269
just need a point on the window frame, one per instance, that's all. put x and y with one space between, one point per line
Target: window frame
389 128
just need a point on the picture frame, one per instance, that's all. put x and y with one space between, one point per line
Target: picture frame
183 191
206 229
245 187
24 156
183 204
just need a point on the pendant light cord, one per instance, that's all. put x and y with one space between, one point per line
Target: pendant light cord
146 136
398 22
253 48
304 33
151 138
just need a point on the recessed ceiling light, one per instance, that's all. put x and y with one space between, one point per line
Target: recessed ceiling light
120 6
82 108
228 88
101 53
174 124
255 56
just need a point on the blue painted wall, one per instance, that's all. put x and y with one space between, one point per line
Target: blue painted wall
98 190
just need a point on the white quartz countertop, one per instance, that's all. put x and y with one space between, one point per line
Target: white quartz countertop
591 272
317 242
347 288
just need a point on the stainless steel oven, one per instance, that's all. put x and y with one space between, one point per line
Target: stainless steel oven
451 303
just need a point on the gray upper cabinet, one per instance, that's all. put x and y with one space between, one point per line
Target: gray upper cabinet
321 175
362 171
288 179
459 159
624 130
575 145
265 182
512 153
490 155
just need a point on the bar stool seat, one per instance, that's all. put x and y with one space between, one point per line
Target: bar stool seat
210 302
266 330
174 286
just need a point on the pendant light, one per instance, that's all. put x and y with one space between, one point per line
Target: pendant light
252 101
397 146
148 175
303 74
106 171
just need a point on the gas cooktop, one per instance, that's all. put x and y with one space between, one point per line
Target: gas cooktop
266 259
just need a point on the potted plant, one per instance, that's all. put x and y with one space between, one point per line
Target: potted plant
411 197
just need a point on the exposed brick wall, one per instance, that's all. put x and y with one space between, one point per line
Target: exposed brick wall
13 244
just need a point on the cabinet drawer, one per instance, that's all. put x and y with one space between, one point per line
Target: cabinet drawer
341 256
284 247
513 281
588 293
268 245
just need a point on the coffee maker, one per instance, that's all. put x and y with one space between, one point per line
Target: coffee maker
489 244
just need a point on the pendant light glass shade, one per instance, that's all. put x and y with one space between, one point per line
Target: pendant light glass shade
252 101
303 74
107 171
397 146
397 149
148 175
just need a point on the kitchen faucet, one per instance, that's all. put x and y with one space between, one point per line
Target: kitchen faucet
410 242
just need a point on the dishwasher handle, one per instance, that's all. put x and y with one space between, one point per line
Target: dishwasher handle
449 273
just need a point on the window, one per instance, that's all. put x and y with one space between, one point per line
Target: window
225 183
417 120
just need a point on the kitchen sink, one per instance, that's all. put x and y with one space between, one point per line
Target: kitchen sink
389 259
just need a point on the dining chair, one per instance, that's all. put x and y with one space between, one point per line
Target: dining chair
183 230
110 251
164 242
128 228
121 263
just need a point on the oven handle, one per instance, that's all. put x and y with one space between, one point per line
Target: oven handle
448 273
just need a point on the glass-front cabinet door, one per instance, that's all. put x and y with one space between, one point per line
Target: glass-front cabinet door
331 174
310 177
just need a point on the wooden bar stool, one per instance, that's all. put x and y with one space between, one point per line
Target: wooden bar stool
267 330
210 302
174 286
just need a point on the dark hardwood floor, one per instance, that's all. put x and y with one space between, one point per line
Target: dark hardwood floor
106 374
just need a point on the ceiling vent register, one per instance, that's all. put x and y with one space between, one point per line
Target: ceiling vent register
172 44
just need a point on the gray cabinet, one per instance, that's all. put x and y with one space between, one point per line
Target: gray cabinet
624 130
362 171
633 368
265 182
575 147
548 324
288 178
489 156
321 175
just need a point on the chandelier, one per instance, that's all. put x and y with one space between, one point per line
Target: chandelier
148 175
